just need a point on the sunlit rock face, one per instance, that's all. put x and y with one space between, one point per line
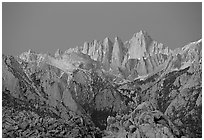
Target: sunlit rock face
114 56
139 45
135 89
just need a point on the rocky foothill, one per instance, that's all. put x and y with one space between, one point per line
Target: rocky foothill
134 89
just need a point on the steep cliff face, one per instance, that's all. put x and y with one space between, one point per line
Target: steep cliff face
100 51
139 45
148 52
108 49
115 56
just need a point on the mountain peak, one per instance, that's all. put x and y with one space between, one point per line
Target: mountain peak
30 51
139 44
58 53
118 40
106 40
140 34
30 55
199 41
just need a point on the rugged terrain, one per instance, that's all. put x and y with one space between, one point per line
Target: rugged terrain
134 89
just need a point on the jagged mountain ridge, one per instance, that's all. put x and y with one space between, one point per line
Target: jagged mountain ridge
140 56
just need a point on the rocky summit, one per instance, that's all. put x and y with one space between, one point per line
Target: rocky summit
134 89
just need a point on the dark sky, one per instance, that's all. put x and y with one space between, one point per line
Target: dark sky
45 27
